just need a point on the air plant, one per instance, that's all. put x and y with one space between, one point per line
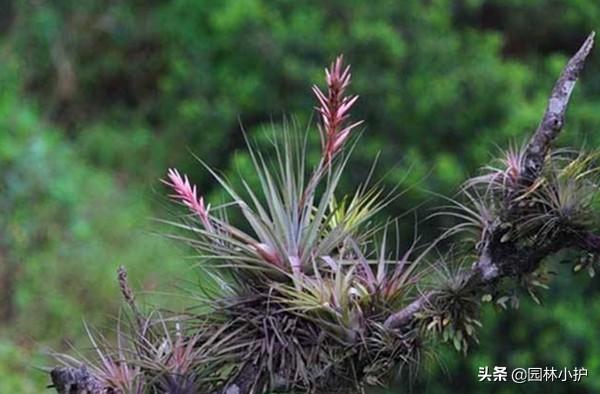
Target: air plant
453 313
311 297
504 176
566 196
112 372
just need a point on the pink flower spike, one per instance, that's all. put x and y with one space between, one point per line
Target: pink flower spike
334 108
186 193
347 104
343 135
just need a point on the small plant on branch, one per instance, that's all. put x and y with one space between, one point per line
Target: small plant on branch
315 296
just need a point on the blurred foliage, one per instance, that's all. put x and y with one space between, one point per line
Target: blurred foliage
98 98
66 226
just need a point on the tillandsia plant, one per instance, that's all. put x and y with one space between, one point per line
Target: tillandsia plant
314 296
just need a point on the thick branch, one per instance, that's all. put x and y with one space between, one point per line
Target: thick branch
404 316
76 381
553 119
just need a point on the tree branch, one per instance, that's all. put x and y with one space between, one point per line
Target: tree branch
554 116
67 380
499 259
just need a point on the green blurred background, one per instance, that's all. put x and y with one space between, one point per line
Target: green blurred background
99 97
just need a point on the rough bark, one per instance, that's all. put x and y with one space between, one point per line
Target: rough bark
76 381
554 116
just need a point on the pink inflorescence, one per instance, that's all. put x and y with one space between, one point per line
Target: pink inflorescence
334 108
187 194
